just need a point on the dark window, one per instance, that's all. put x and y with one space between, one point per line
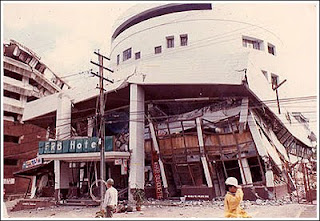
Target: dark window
184 40
11 139
32 98
10 114
157 50
137 55
33 82
265 74
40 67
271 49
233 169
11 162
127 54
274 80
118 59
170 42
11 94
13 75
255 169
252 43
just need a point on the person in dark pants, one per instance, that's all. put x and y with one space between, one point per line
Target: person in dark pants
110 199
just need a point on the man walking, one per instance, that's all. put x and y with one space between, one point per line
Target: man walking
110 199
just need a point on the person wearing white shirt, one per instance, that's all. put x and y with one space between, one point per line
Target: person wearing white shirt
110 201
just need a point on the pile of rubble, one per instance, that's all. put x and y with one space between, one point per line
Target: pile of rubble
219 202
124 207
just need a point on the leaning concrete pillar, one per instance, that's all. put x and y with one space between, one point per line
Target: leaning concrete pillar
203 158
136 138
245 173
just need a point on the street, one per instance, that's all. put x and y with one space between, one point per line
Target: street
183 210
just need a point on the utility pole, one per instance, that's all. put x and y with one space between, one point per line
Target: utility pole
276 89
101 118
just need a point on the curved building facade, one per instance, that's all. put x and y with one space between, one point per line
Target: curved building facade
199 43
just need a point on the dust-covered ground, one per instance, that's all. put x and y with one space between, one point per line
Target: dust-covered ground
169 209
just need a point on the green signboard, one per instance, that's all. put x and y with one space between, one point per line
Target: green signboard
83 145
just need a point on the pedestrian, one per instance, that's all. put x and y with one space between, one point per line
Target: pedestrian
233 199
110 201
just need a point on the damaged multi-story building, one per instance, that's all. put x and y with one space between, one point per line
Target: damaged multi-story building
196 98
25 79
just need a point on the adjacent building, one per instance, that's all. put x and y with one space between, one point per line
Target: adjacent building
25 79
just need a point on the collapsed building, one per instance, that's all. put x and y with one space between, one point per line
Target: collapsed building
195 100
25 79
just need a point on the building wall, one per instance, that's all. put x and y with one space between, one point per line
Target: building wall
25 149
25 79
211 34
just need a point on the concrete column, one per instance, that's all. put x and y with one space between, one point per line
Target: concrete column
203 158
156 147
90 126
136 138
33 187
245 173
63 132
33 62
243 114
57 179
63 121
269 178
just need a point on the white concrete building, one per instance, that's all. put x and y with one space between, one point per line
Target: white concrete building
195 63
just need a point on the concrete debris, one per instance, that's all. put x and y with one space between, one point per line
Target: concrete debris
219 202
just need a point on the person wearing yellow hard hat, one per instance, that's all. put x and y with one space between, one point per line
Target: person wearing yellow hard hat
233 199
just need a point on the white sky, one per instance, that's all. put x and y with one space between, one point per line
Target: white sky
66 34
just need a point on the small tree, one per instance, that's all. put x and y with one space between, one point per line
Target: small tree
138 196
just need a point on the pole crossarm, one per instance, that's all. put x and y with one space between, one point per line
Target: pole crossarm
95 74
97 53
101 66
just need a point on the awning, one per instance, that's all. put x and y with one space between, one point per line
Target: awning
36 170
110 156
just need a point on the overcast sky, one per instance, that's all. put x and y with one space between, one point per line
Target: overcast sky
65 35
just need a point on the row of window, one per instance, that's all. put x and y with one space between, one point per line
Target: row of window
257 44
246 42
127 54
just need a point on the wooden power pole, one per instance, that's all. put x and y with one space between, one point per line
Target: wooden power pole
101 118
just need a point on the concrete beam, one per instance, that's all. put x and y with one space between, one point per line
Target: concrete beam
10 107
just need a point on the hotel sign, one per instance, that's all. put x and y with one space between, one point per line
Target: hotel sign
83 145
